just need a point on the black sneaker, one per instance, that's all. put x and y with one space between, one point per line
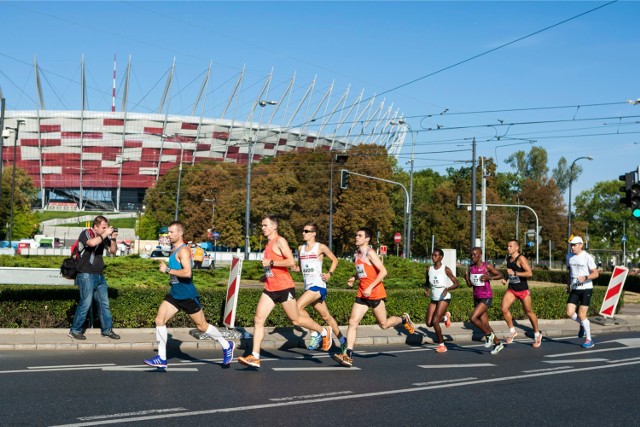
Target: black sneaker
112 335
77 335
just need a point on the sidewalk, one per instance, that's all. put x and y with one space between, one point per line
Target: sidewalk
276 338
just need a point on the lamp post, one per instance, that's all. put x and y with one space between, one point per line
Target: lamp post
407 242
213 210
247 214
16 131
570 183
340 159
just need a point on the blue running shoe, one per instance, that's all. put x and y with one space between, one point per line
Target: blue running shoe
581 331
588 344
314 342
228 353
156 362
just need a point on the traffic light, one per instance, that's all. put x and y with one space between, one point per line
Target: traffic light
344 179
631 191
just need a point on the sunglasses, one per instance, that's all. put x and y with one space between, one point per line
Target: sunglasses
573 244
308 231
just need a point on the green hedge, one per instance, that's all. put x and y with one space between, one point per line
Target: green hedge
136 288
135 307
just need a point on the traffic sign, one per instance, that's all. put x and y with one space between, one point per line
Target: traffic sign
383 249
215 235
530 243
397 237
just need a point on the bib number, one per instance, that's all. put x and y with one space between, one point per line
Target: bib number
476 280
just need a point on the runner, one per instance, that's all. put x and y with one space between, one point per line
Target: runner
438 290
580 287
371 294
183 295
315 282
278 289
518 270
478 277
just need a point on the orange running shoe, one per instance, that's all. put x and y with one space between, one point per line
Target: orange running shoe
343 359
441 348
447 322
537 341
249 360
408 324
327 340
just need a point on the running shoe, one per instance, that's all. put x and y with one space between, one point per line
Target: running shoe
497 348
588 344
343 359
511 337
408 324
228 353
441 348
489 339
327 340
156 362
537 340
581 331
314 342
77 335
447 322
250 361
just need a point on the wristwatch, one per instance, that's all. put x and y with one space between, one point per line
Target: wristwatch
168 270
271 263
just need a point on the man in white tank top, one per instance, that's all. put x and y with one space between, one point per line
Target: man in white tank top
315 283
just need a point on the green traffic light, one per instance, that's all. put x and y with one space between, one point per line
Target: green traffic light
636 212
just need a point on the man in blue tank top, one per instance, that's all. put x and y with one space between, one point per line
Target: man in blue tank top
183 295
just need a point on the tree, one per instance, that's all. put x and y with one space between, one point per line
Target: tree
563 175
25 222
532 165
600 210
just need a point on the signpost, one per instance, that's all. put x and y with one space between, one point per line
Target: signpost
397 238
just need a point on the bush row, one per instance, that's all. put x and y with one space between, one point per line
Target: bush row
135 307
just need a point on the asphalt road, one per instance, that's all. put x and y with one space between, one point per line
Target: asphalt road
557 384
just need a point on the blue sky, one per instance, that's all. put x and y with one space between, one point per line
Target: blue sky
565 86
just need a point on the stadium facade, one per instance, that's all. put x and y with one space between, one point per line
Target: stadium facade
106 160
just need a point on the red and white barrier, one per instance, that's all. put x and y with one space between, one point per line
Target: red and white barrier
614 291
233 287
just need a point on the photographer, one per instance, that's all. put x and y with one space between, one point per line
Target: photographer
91 245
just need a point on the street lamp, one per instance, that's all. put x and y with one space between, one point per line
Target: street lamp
340 159
570 183
407 243
247 216
213 210
16 131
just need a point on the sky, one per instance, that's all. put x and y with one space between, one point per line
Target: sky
510 75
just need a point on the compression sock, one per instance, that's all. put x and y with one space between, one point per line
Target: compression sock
342 339
586 324
574 316
214 333
161 340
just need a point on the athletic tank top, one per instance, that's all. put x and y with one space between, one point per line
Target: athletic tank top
480 289
181 287
516 283
311 267
277 278
367 273
438 281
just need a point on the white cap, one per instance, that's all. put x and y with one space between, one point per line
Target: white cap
576 239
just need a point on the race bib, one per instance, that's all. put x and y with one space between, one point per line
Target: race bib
360 271
307 269
476 279
267 271
436 283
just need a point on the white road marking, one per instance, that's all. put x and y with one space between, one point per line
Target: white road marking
461 365
130 414
310 396
71 366
558 368
593 360
588 351
457 380
147 369
333 399
318 368
623 360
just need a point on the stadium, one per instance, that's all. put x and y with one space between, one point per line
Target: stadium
106 160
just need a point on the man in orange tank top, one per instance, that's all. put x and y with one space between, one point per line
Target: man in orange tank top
371 294
278 289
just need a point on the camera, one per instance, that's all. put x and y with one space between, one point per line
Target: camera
115 230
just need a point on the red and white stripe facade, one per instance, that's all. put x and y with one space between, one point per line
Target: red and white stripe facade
118 150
